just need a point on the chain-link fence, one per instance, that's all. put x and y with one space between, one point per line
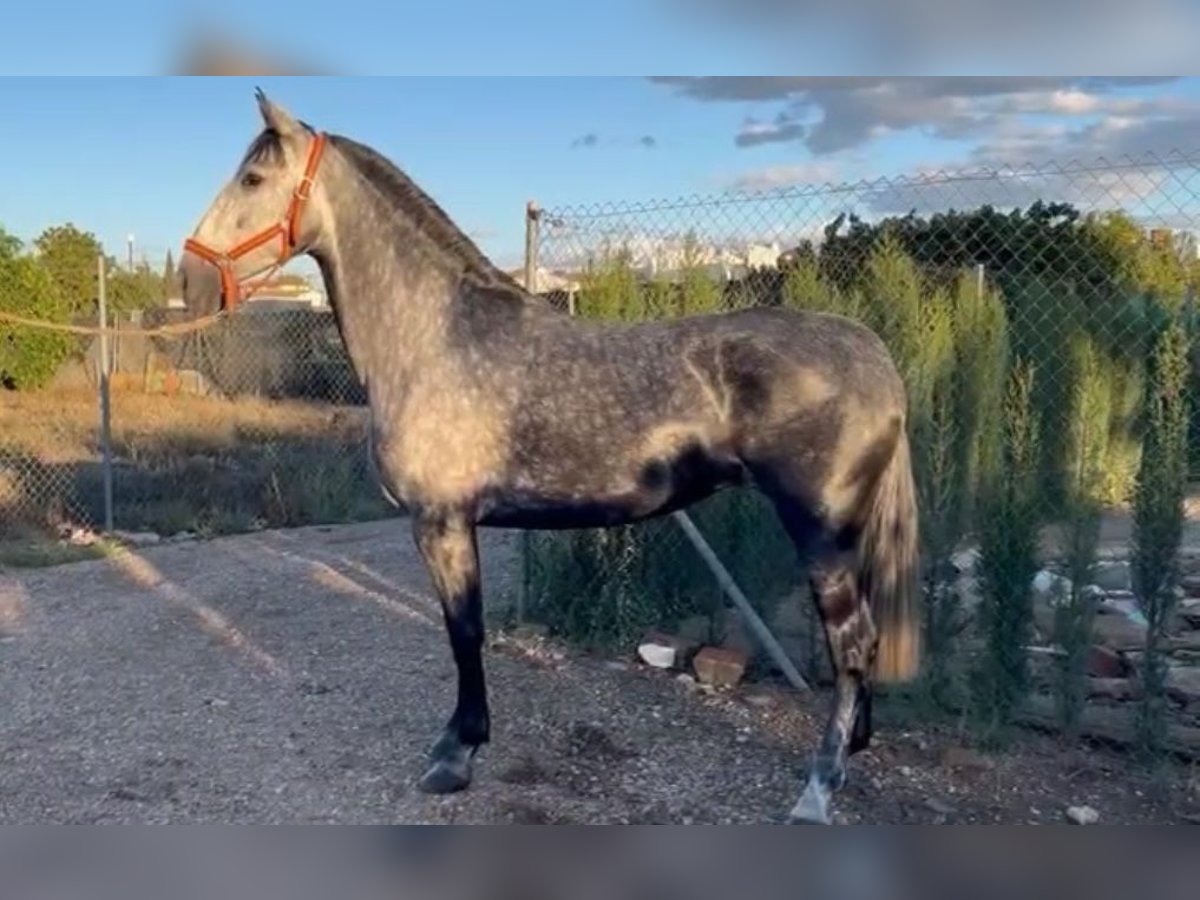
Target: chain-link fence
1042 318
1038 317
255 421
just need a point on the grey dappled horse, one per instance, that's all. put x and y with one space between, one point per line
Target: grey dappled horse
489 408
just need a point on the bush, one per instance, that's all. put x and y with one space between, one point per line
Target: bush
1159 516
1009 556
30 357
1088 438
605 587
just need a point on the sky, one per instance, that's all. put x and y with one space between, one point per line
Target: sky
528 37
145 155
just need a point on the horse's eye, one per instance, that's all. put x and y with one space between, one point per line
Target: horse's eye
251 180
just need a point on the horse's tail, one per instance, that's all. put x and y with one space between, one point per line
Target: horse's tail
888 567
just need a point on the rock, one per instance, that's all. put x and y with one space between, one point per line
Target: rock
1082 815
1112 688
1051 585
1105 663
1122 604
734 635
682 650
966 588
941 807
1113 576
792 616
964 758
1183 683
1185 658
656 655
720 666
1189 612
1044 617
965 561
137 538
696 629
1043 664
760 700
1119 633
1191 584
76 536
1183 643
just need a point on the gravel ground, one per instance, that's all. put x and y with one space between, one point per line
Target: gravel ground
300 676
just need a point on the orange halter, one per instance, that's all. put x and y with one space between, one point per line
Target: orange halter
285 230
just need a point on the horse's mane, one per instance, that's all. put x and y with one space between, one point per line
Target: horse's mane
429 218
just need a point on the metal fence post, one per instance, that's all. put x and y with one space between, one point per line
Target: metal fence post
105 403
532 220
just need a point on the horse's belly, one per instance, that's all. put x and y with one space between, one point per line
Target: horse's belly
648 489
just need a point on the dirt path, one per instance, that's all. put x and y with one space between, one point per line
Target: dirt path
299 677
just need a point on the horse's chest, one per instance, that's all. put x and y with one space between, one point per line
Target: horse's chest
447 451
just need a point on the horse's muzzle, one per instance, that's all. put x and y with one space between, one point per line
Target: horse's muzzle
201 284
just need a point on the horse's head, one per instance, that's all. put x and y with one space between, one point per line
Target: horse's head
261 218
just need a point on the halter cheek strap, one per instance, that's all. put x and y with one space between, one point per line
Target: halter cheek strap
286 231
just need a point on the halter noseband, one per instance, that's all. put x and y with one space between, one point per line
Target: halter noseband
285 231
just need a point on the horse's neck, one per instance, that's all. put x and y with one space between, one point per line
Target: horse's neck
392 294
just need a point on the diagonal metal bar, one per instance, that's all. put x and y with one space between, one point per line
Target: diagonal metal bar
731 589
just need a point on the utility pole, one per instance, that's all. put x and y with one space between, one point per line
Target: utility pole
129 241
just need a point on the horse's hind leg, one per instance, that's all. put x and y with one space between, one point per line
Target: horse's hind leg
851 637
448 546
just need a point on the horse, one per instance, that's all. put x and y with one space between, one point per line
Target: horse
490 408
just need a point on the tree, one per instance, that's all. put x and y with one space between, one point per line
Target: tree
69 256
30 357
139 289
1153 266
172 287
10 245
699 294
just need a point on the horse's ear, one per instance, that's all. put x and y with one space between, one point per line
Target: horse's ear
274 116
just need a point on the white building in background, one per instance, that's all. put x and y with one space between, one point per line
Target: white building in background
667 257
763 256
547 280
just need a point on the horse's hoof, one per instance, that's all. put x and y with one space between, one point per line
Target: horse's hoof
812 808
794 819
446 778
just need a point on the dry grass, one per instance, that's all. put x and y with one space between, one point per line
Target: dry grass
182 463
64 427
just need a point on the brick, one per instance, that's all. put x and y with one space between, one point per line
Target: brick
1105 663
1183 683
720 666
1119 633
1112 688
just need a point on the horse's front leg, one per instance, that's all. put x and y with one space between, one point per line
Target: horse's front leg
447 544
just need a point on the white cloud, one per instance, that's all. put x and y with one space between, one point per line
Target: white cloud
973 35
832 115
788 175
